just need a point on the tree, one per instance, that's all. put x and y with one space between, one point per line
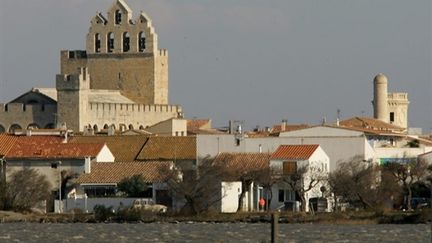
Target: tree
25 189
67 183
200 189
134 186
267 180
303 180
407 174
358 183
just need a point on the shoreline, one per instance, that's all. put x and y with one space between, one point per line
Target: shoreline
347 218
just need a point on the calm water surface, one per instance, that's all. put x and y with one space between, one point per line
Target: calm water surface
208 232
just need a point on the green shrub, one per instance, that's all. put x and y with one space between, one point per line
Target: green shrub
102 213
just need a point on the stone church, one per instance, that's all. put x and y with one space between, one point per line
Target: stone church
119 81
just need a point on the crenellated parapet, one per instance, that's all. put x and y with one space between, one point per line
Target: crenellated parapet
136 108
76 81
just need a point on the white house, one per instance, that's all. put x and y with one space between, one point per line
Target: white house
99 185
340 144
286 161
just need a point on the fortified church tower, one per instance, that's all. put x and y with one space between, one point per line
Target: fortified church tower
122 54
120 80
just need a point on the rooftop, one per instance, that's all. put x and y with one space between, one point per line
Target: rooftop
108 173
298 152
169 148
50 147
124 148
244 162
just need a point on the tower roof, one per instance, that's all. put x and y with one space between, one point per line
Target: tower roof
380 79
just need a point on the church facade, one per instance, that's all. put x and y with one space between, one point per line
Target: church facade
120 80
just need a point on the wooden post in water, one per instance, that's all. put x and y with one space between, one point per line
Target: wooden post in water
275 227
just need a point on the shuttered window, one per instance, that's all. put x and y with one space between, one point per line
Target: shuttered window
289 167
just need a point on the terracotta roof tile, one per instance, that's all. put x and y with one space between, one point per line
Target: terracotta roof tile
294 151
53 150
152 171
169 148
245 162
197 124
25 146
6 143
276 129
124 148
370 124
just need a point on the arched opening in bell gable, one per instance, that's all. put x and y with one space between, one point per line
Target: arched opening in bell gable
110 42
97 42
118 16
141 41
126 42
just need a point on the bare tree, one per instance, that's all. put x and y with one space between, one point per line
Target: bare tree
359 183
268 180
408 173
200 189
24 189
303 180
354 182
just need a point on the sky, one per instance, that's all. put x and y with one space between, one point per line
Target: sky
252 60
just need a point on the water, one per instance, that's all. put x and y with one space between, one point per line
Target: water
208 232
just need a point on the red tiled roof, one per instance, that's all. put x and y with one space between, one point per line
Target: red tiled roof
104 173
169 148
6 143
294 151
28 149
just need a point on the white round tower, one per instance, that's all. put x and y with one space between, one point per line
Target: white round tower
380 102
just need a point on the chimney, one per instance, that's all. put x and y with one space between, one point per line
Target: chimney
260 148
87 165
284 125
337 122
111 130
230 127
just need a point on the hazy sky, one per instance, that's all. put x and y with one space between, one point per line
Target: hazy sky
253 60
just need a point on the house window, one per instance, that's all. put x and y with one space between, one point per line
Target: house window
100 191
141 40
97 42
289 167
392 117
126 42
281 197
118 17
110 42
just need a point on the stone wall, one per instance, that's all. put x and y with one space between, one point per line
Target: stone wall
15 114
